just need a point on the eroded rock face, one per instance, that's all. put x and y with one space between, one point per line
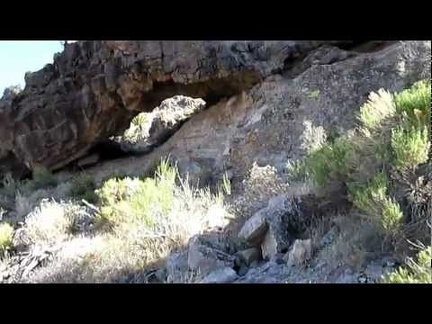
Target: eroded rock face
94 88
278 119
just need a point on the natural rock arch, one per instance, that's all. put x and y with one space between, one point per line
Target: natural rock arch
94 88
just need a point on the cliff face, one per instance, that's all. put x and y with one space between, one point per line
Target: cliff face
94 88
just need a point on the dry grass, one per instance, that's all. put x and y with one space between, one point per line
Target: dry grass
20 197
140 222
313 137
377 109
52 222
23 206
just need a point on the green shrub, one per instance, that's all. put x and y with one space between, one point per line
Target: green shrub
391 215
332 135
329 163
372 199
410 146
6 233
369 197
296 170
140 119
413 104
416 271
42 179
410 139
135 200
379 160
83 187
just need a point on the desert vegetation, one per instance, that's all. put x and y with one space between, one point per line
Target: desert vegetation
382 168
134 223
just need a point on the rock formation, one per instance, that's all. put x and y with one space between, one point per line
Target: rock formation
94 88
279 119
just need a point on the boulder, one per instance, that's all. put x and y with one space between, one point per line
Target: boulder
204 258
254 228
300 253
223 275
248 256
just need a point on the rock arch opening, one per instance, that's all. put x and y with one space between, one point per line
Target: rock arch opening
146 131
94 89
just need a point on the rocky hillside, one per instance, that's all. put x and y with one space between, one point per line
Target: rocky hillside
249 126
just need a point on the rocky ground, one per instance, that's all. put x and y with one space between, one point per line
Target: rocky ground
270 258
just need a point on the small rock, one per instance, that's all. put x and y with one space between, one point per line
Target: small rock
89 160
254 264
279 202
176 266
374 270
276 240
347 276
300 253
269 246
205 259
345 279
362 278
243 271
161 274
320 265
328 238
390 262
278 214
288 211
254 228
216 217
250 255
223 275
276 257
